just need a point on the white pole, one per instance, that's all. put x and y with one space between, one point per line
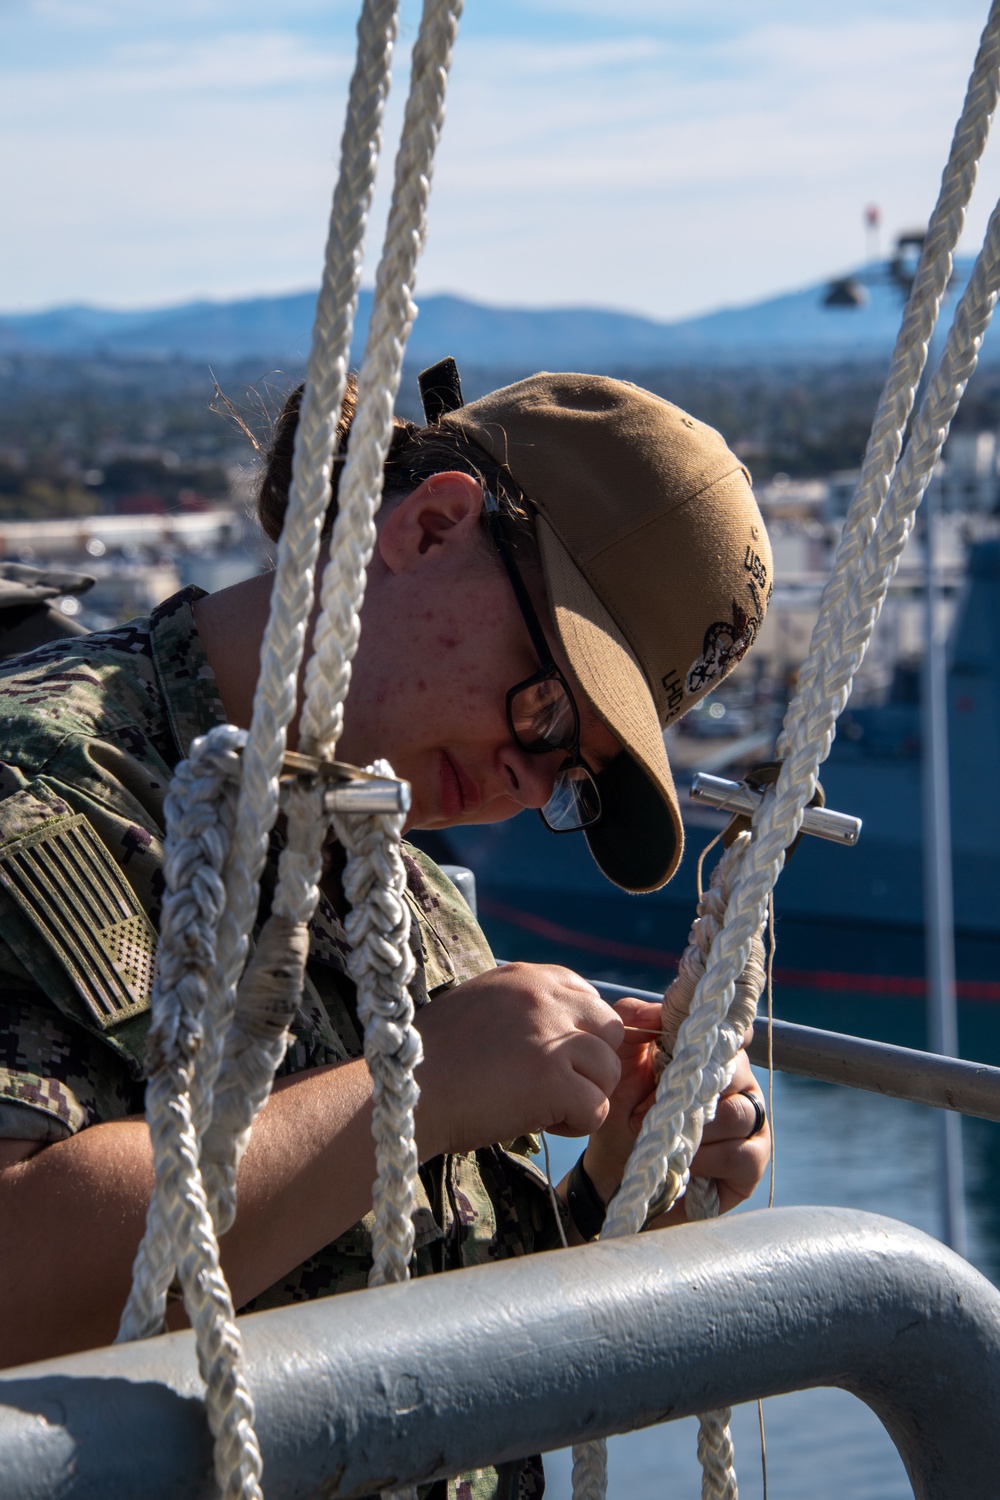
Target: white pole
942 1021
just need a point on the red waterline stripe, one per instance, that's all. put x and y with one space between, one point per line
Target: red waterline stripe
586 941
911 987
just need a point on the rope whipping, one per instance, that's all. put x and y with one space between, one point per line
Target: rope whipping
877 526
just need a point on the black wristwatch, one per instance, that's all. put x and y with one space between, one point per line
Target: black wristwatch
586 1206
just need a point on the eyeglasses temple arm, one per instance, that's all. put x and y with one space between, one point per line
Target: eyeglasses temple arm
495 519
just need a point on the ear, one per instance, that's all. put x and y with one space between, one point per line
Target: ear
442 512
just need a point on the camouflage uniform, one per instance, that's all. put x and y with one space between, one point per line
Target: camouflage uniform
90 730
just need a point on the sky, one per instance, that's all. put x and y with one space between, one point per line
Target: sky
647 155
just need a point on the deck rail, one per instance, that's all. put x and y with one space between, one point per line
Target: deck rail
373 1389
969 1088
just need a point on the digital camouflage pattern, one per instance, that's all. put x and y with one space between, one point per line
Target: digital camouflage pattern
94 726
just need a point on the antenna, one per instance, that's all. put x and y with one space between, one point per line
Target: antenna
873 224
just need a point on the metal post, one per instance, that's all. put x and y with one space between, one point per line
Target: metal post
942 1021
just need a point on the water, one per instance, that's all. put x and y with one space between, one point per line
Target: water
832 1146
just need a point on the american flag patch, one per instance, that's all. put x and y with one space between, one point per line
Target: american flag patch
77 899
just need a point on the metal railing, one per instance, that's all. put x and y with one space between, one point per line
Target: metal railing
970 1088
373 1389
376 1389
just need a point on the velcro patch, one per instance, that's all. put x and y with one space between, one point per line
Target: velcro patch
77 899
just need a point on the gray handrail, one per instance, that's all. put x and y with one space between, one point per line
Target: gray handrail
372 1389
970 1088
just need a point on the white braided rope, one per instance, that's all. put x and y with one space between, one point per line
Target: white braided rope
684 1025
199 815
309 495
381 965
877 526
338 627
715 1443
824 663
808 731
374 880
378 925
715 1454
590 1469
255 1042
909 354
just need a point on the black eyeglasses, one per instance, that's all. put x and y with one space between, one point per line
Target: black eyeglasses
541 712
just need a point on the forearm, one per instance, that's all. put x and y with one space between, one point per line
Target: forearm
509 1052
74 1212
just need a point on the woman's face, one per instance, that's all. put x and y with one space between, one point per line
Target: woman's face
442 641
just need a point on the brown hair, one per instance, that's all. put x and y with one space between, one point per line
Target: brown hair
415 453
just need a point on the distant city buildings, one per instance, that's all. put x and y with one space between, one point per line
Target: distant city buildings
966 479
805 518
138 559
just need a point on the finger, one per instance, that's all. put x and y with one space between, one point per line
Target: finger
641 1020
584 1111
642 1013
735 1118
735 1166
592 1059
602 1020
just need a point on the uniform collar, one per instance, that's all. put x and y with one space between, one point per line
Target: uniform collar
187 682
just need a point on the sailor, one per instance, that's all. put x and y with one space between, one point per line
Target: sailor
562 569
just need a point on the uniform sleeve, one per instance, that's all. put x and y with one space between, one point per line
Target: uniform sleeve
453 945
55 1078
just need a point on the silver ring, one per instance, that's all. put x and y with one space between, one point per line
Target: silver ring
760 1113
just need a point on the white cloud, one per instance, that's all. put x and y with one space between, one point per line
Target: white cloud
655 167
687 190
160 75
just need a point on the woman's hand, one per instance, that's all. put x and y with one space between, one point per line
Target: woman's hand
727 1153
523 1047
609 1150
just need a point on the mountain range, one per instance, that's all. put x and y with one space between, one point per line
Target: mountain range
793 328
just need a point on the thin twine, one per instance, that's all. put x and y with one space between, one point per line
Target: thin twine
552 1192
701 860
763 1445
771 945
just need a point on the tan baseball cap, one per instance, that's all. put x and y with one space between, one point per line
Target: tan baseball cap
657 569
